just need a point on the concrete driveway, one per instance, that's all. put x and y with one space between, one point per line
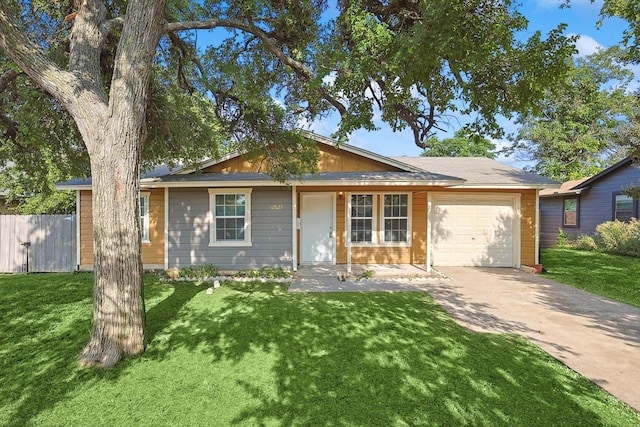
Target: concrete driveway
595 336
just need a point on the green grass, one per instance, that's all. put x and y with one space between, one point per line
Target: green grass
252 354
612 276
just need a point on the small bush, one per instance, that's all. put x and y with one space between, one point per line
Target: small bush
265 272
565 240
204 271
586 243
622 238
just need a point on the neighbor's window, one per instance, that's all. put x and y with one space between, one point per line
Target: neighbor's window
396 218
622 207
230 217
362 218
570 212
144 216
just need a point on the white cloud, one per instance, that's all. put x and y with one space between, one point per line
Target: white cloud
587 45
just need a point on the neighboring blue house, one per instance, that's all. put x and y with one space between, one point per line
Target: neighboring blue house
579 206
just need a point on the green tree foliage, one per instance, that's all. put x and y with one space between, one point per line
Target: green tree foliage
463 144
139 88
572 134
628 136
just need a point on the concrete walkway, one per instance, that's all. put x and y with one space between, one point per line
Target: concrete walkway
595 336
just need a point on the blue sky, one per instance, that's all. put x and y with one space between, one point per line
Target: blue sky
544 15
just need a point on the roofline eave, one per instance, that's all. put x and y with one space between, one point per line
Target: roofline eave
264 183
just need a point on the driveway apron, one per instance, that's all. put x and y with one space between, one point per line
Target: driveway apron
595 336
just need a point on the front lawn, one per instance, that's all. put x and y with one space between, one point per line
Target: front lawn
612 276
252 354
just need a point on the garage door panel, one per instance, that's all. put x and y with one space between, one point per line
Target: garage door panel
472 231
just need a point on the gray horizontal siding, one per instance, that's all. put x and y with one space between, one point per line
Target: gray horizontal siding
550 220
596 205
271 232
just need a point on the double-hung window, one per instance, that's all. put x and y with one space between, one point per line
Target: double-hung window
362 218
570 211
230 212
396 218
380 219
622 207
144 216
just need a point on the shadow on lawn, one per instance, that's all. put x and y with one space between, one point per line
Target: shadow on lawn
46 320
376 359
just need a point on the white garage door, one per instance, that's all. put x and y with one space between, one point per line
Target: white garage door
472 230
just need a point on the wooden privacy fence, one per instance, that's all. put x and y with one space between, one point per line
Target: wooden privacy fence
37 243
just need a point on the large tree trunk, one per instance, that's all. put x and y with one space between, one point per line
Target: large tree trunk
114 150
119 313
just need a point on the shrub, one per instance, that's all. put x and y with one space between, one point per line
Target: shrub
622 238
565 240
204 271
586 243
265 272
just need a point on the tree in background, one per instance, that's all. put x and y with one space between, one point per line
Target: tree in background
572 134
129 72
463 144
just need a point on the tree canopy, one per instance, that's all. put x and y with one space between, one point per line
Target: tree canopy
463 144
573 134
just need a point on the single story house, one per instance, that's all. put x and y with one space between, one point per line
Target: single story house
360 208
579 206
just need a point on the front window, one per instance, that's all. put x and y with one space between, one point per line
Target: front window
230 217
144 216
623 207
362 218
570 212
396 218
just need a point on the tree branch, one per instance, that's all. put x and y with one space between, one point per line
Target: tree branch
57 82
7 77
108 26
298 67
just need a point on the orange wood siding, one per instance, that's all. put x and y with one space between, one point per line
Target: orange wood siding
86 229
152 253
235 164
528 227
336 160
331 160
419 228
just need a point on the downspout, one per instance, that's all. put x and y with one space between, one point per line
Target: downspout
166 228
537 228
294 228
347 237
428 247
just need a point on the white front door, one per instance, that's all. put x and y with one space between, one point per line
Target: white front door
317 228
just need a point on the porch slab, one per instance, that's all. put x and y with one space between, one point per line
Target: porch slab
363 278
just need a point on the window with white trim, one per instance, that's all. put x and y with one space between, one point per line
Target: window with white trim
230 212
380 219
395 218
144 215
362 219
